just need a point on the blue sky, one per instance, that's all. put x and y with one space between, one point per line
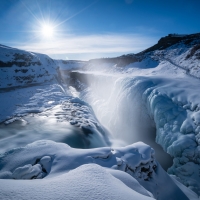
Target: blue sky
84 29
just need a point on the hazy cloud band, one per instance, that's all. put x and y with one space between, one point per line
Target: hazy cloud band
107 43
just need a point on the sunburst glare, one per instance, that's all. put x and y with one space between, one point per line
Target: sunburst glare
47 31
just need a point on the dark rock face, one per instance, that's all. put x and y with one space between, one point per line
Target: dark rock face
193 52
121 61
20 60
172 39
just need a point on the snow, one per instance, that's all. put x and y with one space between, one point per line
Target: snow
96 183
180 56
22 68
62 168
145 63
154 101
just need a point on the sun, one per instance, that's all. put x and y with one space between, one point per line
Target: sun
47 31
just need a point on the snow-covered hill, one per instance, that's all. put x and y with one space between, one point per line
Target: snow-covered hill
22 68
182 51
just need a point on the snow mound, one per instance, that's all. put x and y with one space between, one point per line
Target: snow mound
121 173
85 182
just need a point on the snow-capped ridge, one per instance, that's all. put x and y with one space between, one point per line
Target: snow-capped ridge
180 51
173 39
23 68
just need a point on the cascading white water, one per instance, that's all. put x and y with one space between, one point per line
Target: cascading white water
119 106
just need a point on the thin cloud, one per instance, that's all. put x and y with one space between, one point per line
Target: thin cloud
107 43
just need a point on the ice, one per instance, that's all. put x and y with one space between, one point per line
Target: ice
175 123
22 68
29 111
46 163
38 170
78 125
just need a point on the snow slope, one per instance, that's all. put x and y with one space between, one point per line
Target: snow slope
33 99
22 68
181 52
